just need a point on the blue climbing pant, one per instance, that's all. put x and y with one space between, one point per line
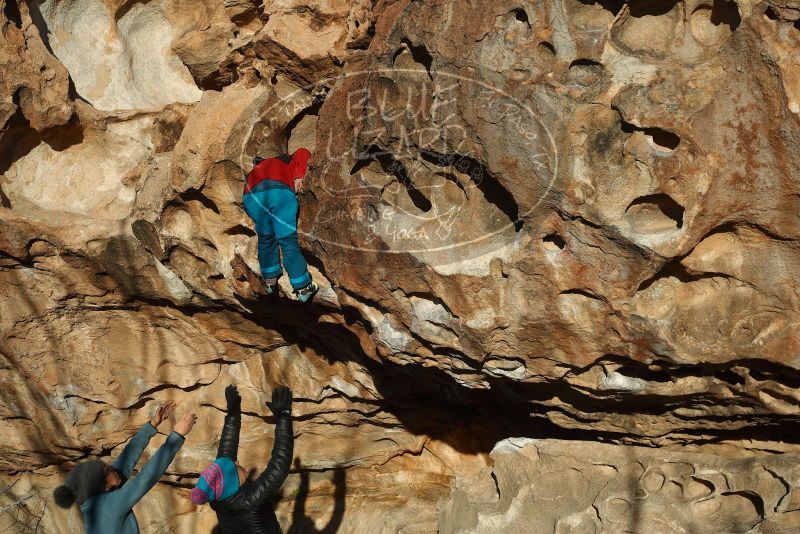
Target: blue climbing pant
274 210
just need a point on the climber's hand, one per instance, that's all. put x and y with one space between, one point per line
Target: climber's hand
163 412
281 401
185 425
234 400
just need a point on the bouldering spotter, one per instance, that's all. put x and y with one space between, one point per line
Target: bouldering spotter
106 493
270 200
242 505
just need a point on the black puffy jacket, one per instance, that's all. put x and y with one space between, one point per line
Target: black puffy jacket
247 511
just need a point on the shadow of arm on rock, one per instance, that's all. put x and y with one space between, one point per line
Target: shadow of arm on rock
301 523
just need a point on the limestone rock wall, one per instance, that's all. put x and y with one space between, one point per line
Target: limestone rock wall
529 220
562 486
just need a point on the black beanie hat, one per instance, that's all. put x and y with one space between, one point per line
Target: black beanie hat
257 160
86 480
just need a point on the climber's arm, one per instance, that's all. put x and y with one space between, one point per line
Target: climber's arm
229 441
267 485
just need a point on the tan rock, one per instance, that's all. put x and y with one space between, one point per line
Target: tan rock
567 219
122 59
567 486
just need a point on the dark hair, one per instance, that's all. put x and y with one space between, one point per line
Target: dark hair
64 496
111 469
257 160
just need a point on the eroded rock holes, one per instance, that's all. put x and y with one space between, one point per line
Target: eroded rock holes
654 214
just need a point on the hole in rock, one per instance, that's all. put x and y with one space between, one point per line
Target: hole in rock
772 14
613 6
654 214
650 8
363 42
726 375
245 18
547 49
220 79
585 71
582 292
520 15
454 180
20 138
124 8
390 165
726 12
650 27
488 184
4 200
360 165
659 138
584 62
419 54
496 485
710 24
240 229
553 242
11 11
197 196
663 138
63 137
675 269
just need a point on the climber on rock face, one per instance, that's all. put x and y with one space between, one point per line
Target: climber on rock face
270 200
105 493
242 506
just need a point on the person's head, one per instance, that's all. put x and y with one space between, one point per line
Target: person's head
87 479
218 482
114 479
257 160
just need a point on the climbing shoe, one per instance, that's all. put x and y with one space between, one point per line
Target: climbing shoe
306 293
272 289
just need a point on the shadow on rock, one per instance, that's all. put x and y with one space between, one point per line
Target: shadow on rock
302 523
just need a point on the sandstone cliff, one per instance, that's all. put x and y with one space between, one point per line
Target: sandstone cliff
548 234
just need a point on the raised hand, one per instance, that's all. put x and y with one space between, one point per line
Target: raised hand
234 400
163 412
185 425
281 401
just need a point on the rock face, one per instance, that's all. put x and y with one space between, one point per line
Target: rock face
562 486
529 220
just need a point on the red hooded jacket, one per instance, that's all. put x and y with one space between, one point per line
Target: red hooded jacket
278 170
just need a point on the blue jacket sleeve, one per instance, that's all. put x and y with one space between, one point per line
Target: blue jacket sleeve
134 489
133 450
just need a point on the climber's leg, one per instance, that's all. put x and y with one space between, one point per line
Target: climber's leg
256 206
269 260
284 208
